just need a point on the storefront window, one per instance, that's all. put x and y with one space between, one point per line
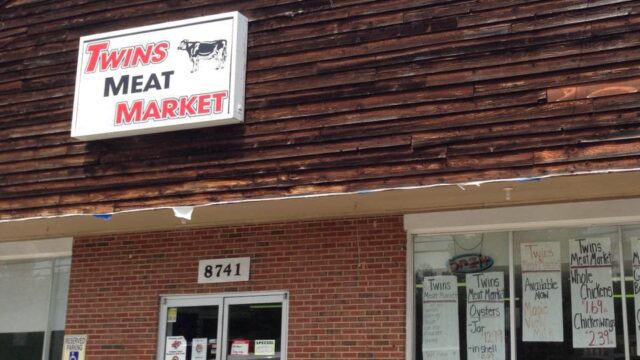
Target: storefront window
259 326
462 291
570 305
33 300
567 303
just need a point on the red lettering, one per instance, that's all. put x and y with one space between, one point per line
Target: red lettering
126 115
218 98
160 52
169 107
152 112
94 51
186 106
204 104
113 59
142 55
127 58
101 57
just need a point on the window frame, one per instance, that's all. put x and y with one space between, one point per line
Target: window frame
512 219
27 251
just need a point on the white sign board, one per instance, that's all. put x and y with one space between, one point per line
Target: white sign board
175 348
440 332
635 263
74 347
224 270
593 316
240 347
178 75
199 349
541 292
264 347
485 316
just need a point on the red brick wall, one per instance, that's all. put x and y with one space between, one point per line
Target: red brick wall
346 280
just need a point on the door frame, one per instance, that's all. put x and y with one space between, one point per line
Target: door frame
222 300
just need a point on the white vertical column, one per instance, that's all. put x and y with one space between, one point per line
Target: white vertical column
512 300
410 337
623 290
46 339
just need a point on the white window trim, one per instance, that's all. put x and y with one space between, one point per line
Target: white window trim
35 249
578 214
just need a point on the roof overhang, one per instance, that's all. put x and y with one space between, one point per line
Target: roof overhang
557 189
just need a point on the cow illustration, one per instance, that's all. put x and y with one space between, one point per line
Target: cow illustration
205 50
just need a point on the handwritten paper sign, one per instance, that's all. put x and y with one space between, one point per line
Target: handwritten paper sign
440 332
593 317
485 316
541 292
635 263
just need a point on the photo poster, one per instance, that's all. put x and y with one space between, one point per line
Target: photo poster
485 316
175 348
592 312
635 265
440 331
541 292
199 349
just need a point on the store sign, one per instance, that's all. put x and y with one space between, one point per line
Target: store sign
265 347
485 316
470 263
172 76
541 292
74 347
440 332
593 315
224 270
240 347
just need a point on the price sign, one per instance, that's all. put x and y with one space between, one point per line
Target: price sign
223 270
593 316
541 292
440 333
485 316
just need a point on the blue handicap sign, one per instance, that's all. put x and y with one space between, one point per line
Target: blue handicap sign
74 355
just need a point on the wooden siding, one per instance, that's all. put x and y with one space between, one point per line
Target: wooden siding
342 95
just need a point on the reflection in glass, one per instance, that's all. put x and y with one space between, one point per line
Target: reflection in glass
565 350
251 322
481 253
195 322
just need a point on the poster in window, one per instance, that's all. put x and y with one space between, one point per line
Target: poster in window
593 316
541 292
440 332
635 263
175 348
485 316
199 349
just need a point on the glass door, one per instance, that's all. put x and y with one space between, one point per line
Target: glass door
245 326
255 327
190 328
